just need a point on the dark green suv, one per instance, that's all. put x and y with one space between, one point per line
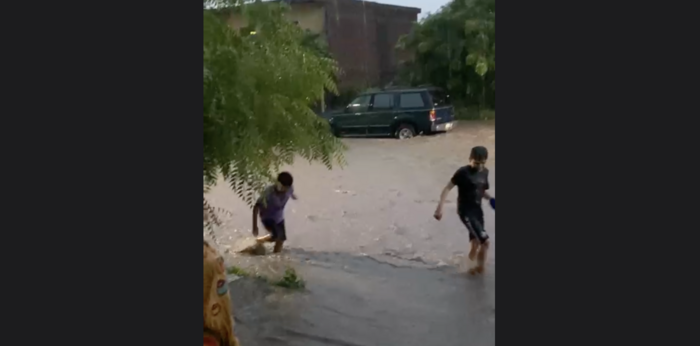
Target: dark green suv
402 113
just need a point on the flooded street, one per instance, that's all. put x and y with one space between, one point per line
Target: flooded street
379 269
357 301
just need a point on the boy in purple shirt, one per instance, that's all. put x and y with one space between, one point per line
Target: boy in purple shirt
270 207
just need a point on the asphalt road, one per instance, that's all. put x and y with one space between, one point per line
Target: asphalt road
359 301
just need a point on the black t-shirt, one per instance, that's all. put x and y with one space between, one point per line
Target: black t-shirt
471 186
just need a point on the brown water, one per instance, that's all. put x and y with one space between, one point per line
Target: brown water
379 269
381 203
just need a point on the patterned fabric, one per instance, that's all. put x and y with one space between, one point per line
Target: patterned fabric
218 317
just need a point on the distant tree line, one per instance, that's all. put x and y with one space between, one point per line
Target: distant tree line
455 49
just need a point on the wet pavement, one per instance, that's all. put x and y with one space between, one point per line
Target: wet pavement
353 300
379 269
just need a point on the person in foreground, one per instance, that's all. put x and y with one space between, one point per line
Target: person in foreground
270 207
218 316
472 181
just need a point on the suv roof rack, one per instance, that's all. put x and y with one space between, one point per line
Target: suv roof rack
395 87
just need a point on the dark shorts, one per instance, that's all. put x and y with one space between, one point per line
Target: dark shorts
278 231
474 220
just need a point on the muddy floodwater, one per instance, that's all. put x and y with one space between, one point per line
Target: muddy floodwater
379 269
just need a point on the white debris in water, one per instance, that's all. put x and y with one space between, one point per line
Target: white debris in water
346 192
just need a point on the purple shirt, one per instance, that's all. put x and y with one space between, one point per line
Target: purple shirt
274 209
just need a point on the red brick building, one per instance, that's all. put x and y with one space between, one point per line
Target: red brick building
361 35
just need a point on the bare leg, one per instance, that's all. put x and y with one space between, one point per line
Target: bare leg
278 246
474 249
481 257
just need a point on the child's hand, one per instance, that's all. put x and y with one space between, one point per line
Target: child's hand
438 214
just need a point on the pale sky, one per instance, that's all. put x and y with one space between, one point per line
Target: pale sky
425 5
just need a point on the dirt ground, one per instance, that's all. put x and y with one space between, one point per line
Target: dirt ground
380 270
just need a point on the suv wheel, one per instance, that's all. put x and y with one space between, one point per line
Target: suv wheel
405 131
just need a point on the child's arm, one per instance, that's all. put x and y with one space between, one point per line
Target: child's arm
256 210
454 181
486 187
492 201
443 197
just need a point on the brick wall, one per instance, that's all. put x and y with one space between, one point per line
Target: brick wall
393 22
362 37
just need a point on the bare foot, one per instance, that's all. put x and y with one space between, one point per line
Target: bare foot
257 249
476 270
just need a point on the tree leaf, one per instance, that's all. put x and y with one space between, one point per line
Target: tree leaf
258 92
481 68
462 33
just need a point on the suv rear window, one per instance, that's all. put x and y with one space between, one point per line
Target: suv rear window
411 100
440 98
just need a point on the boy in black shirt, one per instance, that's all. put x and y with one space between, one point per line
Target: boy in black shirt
472 182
